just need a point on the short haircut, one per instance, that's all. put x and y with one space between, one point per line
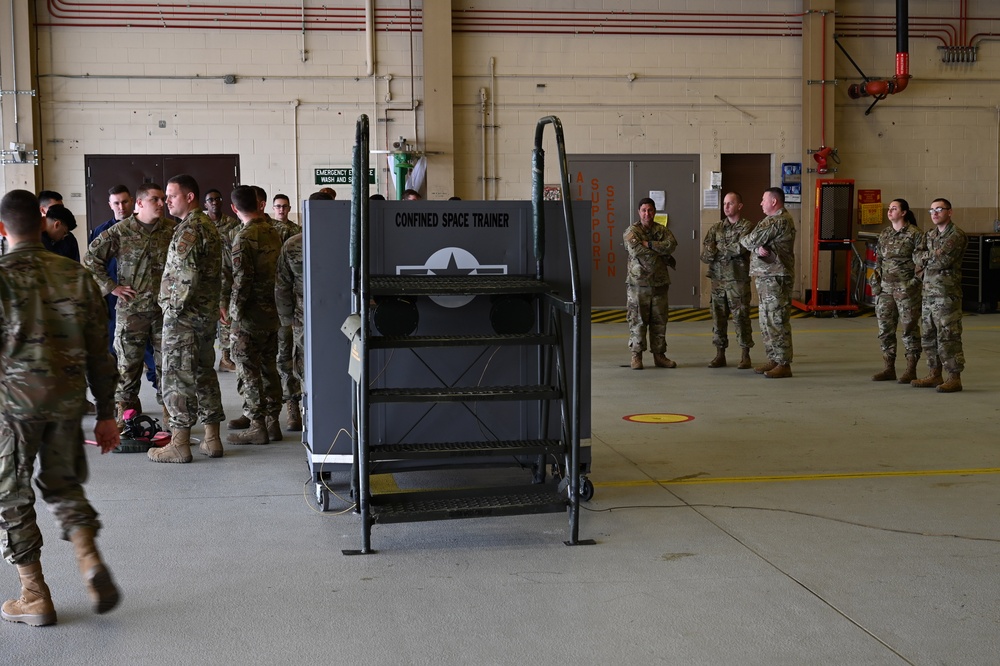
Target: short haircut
646 200
320 196
947 204
411 193
145 189
377 197
60 213
46 197
261 193
739 197
244 198
213 190
281 196
20 214
118 189
187 184
777 193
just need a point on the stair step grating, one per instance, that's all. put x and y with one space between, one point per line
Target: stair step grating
465 394
463 285
404 342
466 503
424 450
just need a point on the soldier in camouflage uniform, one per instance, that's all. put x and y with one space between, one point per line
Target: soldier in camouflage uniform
254 320
650 247
729 268
897 291
140 244
940 259
227 225
53 344
190 295
772 263
291 387
288 297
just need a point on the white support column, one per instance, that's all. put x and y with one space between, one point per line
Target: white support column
439 108
19 122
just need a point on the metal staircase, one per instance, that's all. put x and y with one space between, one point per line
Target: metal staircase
553 396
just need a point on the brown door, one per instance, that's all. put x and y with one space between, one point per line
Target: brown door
749 175
105 171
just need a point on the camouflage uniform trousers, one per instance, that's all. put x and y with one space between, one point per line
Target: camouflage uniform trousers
941 322
731 297
255 354
62 470
775 316
899 304
291 388
190 385
225 333
647 309
299 354
132 332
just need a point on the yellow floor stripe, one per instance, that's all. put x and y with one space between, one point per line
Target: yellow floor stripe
686 481
616 316
383 483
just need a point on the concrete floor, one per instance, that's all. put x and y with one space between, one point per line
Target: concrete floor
824 519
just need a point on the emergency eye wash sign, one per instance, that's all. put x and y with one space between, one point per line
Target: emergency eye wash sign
339 175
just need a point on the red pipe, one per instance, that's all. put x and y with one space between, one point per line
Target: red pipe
880 89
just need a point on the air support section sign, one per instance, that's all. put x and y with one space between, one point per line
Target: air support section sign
339 175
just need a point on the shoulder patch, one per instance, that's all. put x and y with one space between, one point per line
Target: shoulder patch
186 241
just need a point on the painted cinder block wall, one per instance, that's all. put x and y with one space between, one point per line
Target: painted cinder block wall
104 90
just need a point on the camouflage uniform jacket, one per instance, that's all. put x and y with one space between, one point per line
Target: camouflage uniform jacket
726 258
192 278
141 253
776 233
941 259
894 254
647 266
288 283
285 229
51 346
255 259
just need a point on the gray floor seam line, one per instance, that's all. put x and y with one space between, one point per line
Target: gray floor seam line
786 574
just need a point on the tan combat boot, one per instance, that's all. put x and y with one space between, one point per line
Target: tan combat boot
255 434
34 607
226 362
273 429
720 358
661 361
767 367
637 360
930 381
745 363
95 574
953 385
294 420
212 445
779 371
239 423
888 372
177 451
911 369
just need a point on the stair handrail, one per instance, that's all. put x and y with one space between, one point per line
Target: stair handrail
538 230
359 261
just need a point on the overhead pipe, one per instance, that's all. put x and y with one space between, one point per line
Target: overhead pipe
881 89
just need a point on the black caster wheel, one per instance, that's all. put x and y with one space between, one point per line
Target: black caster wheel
586 489
322 497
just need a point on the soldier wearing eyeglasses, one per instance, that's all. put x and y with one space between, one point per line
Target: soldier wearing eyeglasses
941 308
